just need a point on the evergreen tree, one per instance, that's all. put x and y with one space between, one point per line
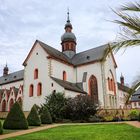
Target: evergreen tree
33 117
45 116
15 118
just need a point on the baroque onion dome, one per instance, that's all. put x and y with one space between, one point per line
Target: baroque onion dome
68 39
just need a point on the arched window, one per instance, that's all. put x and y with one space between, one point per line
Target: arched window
64 76
31 90
114 88
108 80
11 104
3 106
67 46
36 74
39 89
93 88
111 85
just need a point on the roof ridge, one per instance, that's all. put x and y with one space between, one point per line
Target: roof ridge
91 49
12 73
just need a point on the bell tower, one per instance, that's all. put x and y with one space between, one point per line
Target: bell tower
68 39
5 70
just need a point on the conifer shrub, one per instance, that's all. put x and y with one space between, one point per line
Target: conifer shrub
15 118
55 103
45 116
1 128
33 117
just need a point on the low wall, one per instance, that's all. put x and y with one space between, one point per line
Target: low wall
123 112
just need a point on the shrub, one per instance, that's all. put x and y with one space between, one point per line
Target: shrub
55 103
1 128
133 115
95 118
109 118
33 117
45 116
79 108
15 118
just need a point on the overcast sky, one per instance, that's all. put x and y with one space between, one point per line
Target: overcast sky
24 21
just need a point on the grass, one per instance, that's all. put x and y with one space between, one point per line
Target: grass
85 132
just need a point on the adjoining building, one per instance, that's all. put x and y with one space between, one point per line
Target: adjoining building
135 99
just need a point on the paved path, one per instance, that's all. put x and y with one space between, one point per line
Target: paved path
134 123
22 132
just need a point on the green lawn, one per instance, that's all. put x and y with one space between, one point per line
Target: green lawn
85 132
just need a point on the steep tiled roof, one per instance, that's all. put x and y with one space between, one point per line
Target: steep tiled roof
69 86
94 54
12 77
55 53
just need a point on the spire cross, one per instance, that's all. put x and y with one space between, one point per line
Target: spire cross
68 19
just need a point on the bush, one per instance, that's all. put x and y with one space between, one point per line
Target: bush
45 116
33 117
95 118
55 103
15 118
79 108
1 128
133 115
108 118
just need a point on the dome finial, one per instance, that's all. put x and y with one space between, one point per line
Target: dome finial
68 18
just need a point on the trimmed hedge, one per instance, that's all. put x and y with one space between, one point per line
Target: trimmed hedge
46 116
1 128
15 118
33 117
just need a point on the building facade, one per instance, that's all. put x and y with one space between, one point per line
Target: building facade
48 70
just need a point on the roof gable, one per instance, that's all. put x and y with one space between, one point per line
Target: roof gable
49 50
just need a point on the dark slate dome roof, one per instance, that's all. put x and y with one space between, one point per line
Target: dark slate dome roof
68 36
68 24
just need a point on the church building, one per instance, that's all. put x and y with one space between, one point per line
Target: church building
48 70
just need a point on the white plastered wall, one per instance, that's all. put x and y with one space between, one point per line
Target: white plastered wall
109 65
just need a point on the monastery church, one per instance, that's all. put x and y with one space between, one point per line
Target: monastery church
48 70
